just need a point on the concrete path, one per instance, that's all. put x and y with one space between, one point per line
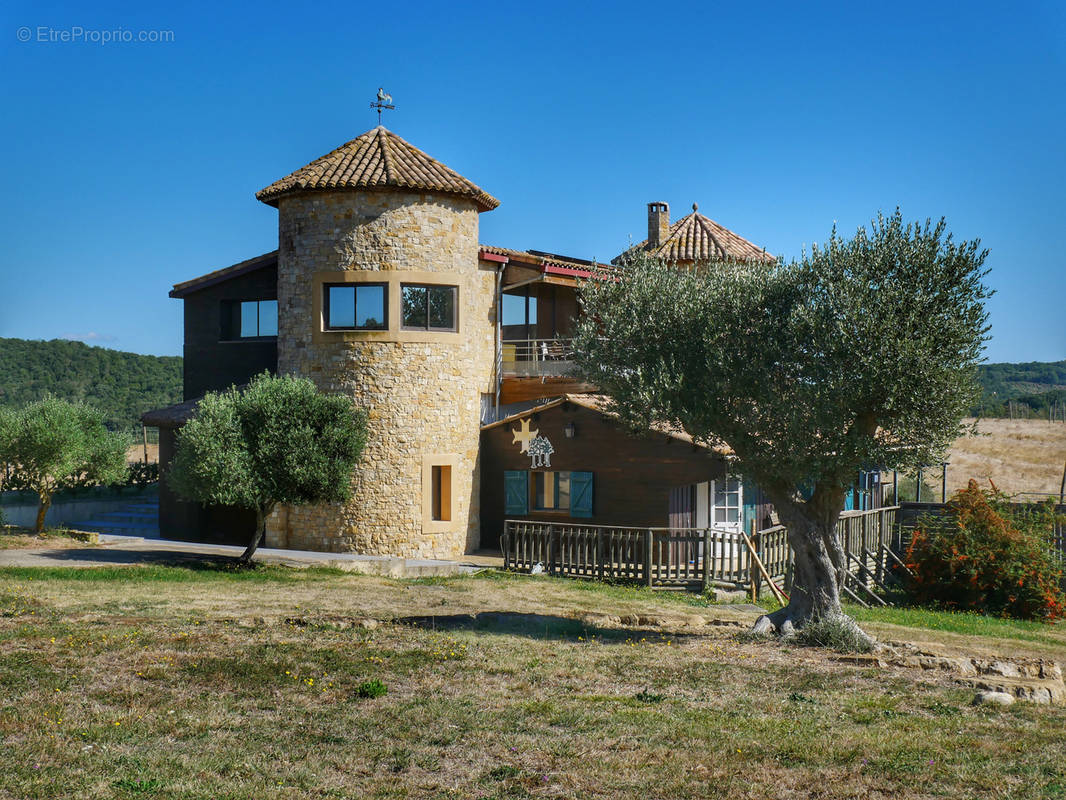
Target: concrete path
119 550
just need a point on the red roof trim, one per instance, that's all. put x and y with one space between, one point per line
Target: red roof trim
484 255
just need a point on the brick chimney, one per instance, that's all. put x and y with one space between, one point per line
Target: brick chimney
658 224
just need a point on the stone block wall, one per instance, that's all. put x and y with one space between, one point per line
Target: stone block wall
422 390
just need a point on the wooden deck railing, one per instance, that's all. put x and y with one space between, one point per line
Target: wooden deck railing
690 557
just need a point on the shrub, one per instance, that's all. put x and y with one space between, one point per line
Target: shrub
988 557
374 688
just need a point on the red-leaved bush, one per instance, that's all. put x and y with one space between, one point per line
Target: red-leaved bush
988 557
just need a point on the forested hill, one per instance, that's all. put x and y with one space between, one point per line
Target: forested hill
121 385
1036 384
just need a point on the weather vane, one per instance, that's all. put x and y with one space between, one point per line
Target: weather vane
384 101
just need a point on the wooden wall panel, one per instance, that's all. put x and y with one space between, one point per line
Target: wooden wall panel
633 475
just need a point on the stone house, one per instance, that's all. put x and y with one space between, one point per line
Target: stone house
380 289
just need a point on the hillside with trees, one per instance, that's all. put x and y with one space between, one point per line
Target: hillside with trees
1034 385
122 386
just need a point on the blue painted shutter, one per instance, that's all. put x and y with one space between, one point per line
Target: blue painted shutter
516 492
580 494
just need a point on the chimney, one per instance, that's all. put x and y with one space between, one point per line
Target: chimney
658 224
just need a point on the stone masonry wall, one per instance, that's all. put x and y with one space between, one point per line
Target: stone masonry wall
423 398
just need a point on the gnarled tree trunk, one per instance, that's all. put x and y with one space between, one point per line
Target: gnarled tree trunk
818 568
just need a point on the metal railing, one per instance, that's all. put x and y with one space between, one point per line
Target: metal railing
535 357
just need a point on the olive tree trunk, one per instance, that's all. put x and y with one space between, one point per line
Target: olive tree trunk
42 510
261 515
818 566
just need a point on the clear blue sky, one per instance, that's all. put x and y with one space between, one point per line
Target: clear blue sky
133 166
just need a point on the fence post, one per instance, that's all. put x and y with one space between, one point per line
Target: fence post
649 544
753 573
706 560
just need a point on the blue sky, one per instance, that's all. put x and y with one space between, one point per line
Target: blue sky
132 166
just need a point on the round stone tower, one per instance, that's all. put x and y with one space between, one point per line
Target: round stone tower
381 297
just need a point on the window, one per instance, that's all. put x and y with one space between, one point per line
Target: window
356 307
566 492
441 488
519 310
551 491
727 501
427 307
249 319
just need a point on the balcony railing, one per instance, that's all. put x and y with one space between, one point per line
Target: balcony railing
537 357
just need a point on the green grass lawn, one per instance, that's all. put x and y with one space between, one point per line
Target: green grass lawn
171 682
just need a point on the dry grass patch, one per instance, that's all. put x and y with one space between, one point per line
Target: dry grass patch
1019 455
14 538
178 683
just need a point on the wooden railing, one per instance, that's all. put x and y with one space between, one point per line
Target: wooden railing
678 557
691 557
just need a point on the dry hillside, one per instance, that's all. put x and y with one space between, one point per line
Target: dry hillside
1019 455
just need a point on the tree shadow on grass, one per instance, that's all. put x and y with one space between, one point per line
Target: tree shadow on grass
111 556
539 626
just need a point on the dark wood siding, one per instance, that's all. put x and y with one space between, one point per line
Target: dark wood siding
183 521
633 476
212 364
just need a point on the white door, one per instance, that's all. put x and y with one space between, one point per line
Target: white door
727 504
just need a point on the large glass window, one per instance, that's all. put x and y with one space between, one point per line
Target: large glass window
356 307
428 307
249 319
519 310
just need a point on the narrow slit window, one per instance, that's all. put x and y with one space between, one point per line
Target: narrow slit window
441 488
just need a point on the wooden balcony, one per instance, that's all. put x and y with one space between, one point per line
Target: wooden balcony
535 368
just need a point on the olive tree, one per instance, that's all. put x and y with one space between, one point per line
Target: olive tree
860 354
279 440
53 444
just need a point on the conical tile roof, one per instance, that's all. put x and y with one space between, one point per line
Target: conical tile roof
698 238
379 159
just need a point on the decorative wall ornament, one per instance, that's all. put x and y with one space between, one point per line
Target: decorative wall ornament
540 451
523 436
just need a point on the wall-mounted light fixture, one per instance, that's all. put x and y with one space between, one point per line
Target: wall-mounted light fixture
570 430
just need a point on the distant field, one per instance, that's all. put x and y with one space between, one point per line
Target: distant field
1018 455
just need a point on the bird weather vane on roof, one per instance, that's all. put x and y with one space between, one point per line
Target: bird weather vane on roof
384 101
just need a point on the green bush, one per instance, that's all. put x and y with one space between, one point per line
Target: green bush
988 557
374 688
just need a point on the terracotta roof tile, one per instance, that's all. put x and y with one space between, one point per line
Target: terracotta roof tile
697 238
379 159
